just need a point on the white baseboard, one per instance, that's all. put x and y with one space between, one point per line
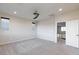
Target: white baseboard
8 42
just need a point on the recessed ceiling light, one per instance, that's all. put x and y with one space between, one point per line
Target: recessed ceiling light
14 12
60 9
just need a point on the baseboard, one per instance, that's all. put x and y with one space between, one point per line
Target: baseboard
44 39
9 42
68 44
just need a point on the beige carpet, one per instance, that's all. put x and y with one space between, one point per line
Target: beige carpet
37 47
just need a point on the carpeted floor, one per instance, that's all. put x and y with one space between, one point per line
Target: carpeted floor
37 47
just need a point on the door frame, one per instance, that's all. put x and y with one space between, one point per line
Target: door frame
65 32
56 22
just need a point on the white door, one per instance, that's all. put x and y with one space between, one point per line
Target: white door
72 34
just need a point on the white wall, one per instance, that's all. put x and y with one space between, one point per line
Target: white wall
72 30
46 30
19 29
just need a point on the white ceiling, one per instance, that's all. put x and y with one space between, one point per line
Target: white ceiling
26 10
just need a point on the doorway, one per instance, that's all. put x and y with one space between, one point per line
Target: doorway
61 32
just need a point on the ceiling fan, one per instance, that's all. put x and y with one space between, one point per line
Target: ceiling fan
36 15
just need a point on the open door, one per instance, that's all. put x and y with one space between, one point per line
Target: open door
61 33
72 33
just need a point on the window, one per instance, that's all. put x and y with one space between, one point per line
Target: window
63 28
4 23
